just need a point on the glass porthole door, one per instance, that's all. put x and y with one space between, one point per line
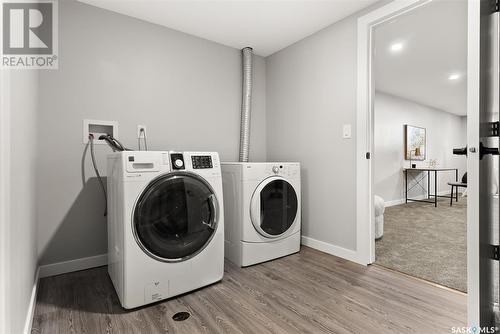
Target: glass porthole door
273 207
175 217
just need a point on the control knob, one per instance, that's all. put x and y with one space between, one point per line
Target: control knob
276 169
178 163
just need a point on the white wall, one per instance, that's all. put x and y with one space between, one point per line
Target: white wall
19 256
4 196
444 132
186 90
311 92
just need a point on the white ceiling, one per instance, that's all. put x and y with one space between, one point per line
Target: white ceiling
434 39
267 26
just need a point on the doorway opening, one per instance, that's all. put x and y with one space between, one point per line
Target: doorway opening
419 118
412 114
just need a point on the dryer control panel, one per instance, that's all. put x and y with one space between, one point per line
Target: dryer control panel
201 161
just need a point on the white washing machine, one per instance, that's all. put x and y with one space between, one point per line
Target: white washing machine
262 211
165 227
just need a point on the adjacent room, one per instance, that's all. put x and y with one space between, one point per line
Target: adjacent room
420 117
305 166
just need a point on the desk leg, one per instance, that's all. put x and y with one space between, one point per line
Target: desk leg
456 180
451 197
435 189
428 185
406 186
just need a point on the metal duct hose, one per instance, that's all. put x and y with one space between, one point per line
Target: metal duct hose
246 103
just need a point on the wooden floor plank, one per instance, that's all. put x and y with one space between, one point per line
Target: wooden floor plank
308 292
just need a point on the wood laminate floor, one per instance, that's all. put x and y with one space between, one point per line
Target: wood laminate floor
308 292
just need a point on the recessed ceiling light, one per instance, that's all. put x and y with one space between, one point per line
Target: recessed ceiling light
454 76
397 47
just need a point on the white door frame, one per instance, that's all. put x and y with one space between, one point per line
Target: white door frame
4 199
365 217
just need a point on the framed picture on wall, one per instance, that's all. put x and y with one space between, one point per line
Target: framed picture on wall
415 143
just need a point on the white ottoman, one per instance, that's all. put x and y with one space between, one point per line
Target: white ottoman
379 204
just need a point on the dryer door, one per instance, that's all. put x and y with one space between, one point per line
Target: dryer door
273 207
175 217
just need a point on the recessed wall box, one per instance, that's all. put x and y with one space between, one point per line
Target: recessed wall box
98 128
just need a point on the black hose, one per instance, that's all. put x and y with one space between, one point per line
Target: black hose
114 143
120 144
92 154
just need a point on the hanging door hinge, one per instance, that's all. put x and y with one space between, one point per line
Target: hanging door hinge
489 129
495 4
495 250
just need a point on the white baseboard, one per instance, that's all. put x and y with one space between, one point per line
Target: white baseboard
326 247
394 202
31 308
403 200
73 265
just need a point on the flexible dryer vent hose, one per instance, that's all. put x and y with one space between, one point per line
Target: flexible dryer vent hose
246 103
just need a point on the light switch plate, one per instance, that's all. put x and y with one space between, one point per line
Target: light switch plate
346 131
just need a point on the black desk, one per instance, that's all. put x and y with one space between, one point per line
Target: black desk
429 171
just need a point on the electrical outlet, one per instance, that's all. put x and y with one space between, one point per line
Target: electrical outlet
346 131
141 131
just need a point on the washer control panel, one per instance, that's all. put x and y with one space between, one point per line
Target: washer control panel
201 161
177 161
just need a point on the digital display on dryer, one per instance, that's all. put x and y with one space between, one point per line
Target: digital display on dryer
201 161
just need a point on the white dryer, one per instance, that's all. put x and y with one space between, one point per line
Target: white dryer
165 227
262 211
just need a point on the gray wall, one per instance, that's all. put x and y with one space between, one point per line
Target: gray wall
22 230
444 132
311 92
186 90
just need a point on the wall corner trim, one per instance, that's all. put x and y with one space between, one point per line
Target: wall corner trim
31 307
331 249
73 265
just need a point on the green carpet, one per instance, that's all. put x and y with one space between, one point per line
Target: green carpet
427 242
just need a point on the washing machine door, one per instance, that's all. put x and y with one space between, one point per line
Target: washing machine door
175 217
273 207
